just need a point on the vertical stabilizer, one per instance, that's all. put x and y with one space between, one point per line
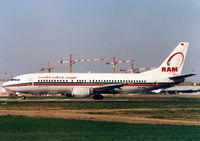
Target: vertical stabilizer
173 65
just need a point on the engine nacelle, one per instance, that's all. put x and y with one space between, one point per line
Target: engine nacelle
80 92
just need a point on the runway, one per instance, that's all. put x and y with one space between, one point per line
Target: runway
107 98
41 100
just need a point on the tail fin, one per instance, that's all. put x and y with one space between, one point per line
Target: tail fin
173 65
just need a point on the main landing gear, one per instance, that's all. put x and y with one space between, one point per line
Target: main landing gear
23 97
98 97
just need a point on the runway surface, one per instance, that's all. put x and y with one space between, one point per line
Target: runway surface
115 98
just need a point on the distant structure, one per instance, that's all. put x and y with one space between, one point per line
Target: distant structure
71 61
2 90
181 90
186 83
136 70
50 68
114 63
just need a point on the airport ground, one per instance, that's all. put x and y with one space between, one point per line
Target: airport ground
119 118
153 109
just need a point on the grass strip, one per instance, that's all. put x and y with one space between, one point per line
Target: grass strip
23 128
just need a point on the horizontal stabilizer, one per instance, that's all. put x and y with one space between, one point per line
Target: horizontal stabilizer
181 77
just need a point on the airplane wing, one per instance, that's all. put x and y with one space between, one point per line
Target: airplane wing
180 77
107 88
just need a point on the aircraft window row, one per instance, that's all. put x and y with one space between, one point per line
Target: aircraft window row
52 80
116 81
119 81
15 80
81 80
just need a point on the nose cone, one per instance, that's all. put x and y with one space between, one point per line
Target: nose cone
5 85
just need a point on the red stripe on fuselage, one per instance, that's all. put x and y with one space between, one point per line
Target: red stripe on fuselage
76 84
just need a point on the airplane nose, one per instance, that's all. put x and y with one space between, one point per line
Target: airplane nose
4 84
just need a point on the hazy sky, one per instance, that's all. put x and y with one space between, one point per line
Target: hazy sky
33 32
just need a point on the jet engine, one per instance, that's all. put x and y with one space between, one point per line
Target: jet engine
80 92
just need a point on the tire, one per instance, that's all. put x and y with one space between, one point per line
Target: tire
98 97
23 97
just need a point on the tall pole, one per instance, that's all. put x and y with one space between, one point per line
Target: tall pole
132 67
49 67
114 64
70 63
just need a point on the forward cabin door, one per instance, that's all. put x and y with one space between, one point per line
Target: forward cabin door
31 80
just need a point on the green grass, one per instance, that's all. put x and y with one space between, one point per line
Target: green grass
138 102
22 128
169 114
192 115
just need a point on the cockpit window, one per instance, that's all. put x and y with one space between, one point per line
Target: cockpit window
15 79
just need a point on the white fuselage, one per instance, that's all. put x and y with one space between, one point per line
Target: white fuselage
65 82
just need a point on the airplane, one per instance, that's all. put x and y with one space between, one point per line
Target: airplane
85 84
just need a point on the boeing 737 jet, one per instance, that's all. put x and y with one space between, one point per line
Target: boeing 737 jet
96 84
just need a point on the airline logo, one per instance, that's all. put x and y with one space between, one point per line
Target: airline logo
173 69
169 69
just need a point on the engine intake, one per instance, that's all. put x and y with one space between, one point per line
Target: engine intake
80 92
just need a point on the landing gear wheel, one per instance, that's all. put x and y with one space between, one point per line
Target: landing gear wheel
98 97
23 97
